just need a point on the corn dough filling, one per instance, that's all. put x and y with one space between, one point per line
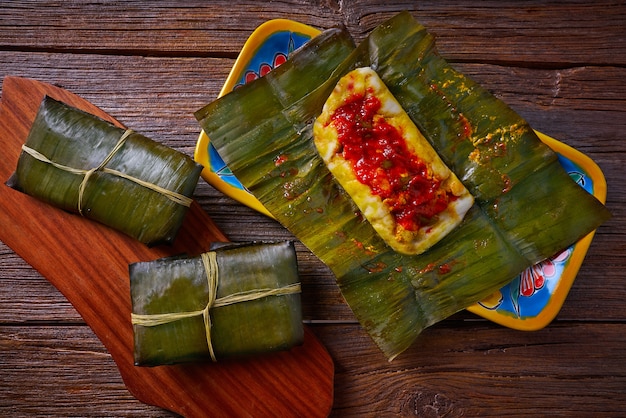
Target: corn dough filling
381 159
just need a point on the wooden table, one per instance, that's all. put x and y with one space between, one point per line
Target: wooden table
561 65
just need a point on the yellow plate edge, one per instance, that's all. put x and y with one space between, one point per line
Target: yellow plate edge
551 310
201 154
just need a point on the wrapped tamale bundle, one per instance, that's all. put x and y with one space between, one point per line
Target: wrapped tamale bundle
233 301
526 207
85 165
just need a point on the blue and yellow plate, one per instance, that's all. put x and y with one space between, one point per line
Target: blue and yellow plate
529 302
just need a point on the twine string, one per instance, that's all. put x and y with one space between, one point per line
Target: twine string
173 196
209 261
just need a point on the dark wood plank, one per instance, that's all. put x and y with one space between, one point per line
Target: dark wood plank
541 34
465 372
489 31
33 384
469 370
455 370
139 28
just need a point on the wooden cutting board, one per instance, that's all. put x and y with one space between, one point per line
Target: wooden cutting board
88 263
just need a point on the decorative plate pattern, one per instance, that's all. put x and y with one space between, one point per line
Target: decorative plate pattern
534 298
268 47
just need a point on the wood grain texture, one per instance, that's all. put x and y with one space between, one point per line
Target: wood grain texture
492 31
455 370
560 64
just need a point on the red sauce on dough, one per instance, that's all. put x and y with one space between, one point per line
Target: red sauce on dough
381 160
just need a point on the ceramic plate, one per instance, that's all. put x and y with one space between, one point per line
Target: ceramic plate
531 301
268 47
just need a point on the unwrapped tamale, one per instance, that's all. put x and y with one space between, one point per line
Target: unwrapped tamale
232 301
83 164
390 171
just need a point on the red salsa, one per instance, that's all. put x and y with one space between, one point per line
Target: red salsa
381 160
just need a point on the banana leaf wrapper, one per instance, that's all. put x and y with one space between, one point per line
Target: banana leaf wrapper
143 189
527 208
260 279
515 178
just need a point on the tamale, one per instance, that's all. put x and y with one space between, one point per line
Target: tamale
120 178
486 144
233 301
390 171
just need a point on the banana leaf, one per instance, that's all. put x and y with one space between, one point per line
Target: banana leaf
488 146
83 164
515 178
254 307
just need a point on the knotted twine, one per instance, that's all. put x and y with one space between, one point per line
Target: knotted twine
209 261
175 197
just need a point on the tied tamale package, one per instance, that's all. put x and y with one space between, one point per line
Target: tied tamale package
233 301
83 164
